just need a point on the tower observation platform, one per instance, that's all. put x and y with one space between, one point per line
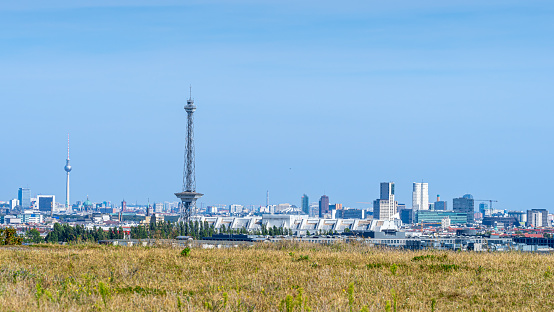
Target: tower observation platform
188 195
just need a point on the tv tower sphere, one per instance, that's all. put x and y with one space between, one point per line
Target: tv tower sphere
67 167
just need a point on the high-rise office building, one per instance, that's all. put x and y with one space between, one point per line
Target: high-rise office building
305 204
402 213
46 203
385 208
24 197
441 204
420 196
537 217
158 207
465 204
387 189
484 209
520 216
314 210
13 203
349 213
169 206
234 208
406 215
323 206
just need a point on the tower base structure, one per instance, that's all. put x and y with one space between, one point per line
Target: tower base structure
188 206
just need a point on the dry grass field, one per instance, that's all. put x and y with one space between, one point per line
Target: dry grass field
271 278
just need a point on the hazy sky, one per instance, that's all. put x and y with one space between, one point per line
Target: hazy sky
292 97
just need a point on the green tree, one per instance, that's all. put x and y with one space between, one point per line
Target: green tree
33 236
8 236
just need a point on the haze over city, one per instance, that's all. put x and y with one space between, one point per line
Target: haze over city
276 155
311 98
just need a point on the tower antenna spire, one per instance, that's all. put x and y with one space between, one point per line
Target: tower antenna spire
190 92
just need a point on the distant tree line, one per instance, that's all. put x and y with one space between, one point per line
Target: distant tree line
169 230
160 230
323 232
197 230
155 230
273 231
78 233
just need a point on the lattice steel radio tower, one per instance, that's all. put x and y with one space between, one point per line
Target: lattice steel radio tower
189 196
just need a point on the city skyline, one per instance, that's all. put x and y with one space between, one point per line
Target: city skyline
282 109
416 189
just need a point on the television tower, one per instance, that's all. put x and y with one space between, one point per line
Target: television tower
188 196
67 169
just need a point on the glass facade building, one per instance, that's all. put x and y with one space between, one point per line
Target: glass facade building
323 205
305 204
46 203
465 204
385 207
387 189
24 197
406 215
436 216
441 205
420 196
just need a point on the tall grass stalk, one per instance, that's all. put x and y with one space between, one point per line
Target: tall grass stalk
349 277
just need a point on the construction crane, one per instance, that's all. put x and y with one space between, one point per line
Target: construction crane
487 200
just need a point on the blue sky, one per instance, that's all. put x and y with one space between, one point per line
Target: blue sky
292 98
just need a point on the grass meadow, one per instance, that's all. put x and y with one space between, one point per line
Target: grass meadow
271 277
